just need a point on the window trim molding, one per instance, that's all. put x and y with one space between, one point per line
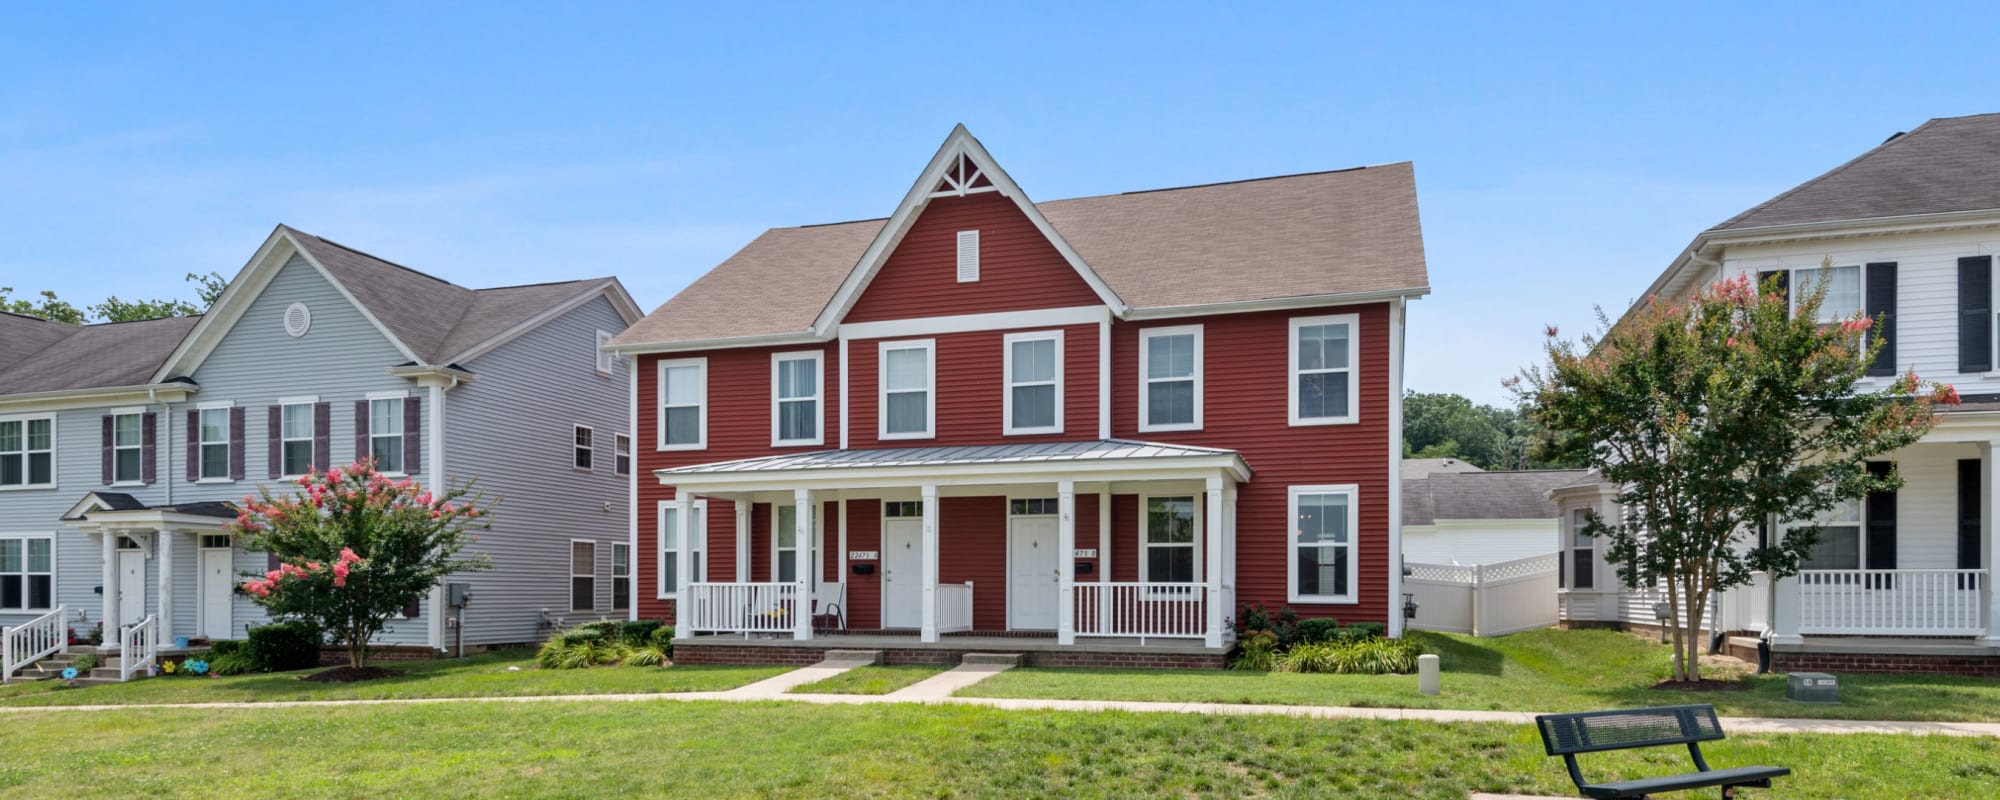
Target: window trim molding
201 444
815 566
929 346
54 451
312 419
55 559
1145 400
375 432
1353 596
615 547
577 449
1572 528
1008 384
592 576
1146 545
818 398
1793 286
140 415
1353 370
699 509
660 404
607 361
623 440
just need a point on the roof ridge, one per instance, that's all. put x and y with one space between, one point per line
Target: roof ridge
38 319
543 283
360 252
1886 144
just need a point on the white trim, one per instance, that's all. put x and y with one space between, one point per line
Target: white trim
1084 470
626 453
94 399
311 440
972 323
726 343
818 398
1353 596
1275 304
1397 312
1008 384
929 346
660 404
632 484
1145 546
208 404
1353 370
968 256
697 563
1145 403
577 449
573 575
607 361
1104 379
305 319
393 394
843 392
55 587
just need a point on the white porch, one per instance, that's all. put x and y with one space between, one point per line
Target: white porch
148 554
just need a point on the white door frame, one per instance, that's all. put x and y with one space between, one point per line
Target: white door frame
1009 579
202 588
884 562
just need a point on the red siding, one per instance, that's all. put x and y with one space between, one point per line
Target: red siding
1018 267
864 592
971 383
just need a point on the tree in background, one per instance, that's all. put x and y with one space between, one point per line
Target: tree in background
1445 425
207 288
1716 413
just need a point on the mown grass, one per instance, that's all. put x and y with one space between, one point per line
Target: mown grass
581 749
874 679
1534 671
507 673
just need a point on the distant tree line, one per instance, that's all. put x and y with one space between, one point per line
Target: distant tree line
1444 425
48 306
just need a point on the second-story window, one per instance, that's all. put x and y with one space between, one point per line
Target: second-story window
27 452
908 397
795 399
215 444
683 404
1033 362
585 454
127 448
296 433
1324 351
1170 378
385 433
621 446
1843 290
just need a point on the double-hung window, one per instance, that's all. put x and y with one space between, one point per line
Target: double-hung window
1840 539
214 450
128 448
908 397
1033 363
795 399
1582 551
385 433
785 547
584 450
27 573
607 361
1170 378
670 541
1170 541
1322 552
684 404
621 455
27 452
621 577
582 575
1843 291
296 438
1324 352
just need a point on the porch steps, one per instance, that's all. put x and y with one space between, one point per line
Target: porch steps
1003 659
51 668
865 657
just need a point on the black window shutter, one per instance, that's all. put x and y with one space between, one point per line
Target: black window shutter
149 456
277 439
1784 283
236 443
107 449
193 445
413 435
1968 513
322 435
414 608
271 561
1880 304
1975 314
1881 522
361 449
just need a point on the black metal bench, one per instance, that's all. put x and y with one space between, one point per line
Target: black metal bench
1596 731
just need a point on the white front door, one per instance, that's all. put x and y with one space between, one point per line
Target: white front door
1034 572
218 581
902 573
131 588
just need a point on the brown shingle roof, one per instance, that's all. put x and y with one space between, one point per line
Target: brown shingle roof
1949 164
98 356
1483 495
1342 232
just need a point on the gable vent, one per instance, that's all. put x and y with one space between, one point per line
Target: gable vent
968 256
298 319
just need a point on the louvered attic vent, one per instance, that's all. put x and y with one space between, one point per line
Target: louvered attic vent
968 256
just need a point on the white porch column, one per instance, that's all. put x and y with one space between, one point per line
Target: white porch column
1104 536
802 541
164 540
1212 562
1988 557
110 617
929 631
683 563
1065 562
742 541
1785 599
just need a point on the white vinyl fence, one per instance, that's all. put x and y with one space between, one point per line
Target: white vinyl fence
1484 599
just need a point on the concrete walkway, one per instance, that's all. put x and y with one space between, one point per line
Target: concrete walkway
778 685
943 685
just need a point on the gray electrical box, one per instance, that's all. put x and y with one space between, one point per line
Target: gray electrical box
1812 687
458 595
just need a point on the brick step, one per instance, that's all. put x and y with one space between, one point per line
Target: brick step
863 656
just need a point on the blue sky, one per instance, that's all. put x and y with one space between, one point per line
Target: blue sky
1564 153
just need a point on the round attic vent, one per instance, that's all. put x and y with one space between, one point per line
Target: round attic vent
298 319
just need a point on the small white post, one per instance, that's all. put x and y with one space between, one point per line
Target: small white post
1066 562
1212 539
1427 674
683 564
929 630
110 618
802 541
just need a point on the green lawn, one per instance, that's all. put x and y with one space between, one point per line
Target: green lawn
871 680
1535 671
482 675
785 750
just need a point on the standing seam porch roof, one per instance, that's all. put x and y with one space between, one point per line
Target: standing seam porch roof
1050 452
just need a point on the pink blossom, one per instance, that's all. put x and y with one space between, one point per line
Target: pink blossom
274 575
333 475
347 555
1948 395
1732 341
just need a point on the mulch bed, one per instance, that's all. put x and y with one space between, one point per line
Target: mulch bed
1703 685
351 675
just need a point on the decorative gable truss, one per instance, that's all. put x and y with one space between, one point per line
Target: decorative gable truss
963 178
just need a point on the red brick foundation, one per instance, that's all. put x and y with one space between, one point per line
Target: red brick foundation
1971 666
806 656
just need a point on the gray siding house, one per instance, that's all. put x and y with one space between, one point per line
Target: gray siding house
124 447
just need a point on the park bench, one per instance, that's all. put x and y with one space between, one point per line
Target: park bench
1567 735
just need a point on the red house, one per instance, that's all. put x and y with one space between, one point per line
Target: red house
1094 426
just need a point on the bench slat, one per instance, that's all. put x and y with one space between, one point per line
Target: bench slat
1735 776
1594 731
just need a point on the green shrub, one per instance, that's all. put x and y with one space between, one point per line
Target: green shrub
1360 657
229 664
1257 652
638 632
1364 630
84 664
642 656
663 638
1313 631
283 647
1255 617
224 647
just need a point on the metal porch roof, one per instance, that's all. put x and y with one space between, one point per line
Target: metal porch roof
1047 452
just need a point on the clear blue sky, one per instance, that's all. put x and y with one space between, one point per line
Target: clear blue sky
1564 153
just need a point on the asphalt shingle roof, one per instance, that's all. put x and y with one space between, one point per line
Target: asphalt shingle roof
1483 495
98 356
1948 164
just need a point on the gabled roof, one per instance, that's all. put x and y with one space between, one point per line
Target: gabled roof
97 357
1519 494
22 336
1419 467
1345 233
1945 165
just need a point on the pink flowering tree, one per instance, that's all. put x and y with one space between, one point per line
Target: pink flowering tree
355 547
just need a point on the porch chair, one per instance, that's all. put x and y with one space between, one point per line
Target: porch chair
829 604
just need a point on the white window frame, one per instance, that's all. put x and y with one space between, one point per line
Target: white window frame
782 556
55 466
1146 544
574 575
607 361
26 574
1797 284
1573 528
701 404
700 512
1352 370
616 575
818 399
1009 384
139 416
1146 335
576 449
312 420
202 444
375 431
621 454
1353 596
1830 519
929 346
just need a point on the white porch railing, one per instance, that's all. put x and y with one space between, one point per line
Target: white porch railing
1892 602
138 645
1144 610
740 607
954 607
33 641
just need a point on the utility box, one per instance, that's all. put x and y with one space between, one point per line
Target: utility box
1812 687
458 595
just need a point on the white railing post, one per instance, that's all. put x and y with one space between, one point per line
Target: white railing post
1212 540
929 632
1065 562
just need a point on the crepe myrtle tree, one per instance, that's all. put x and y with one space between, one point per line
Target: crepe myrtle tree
355 547
1714 414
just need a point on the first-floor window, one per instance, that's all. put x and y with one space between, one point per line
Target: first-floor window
583 576
1839 545
670 542
27 573
1582 551
1169 541
621 577
785 566
28 452
1323 543
385 433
